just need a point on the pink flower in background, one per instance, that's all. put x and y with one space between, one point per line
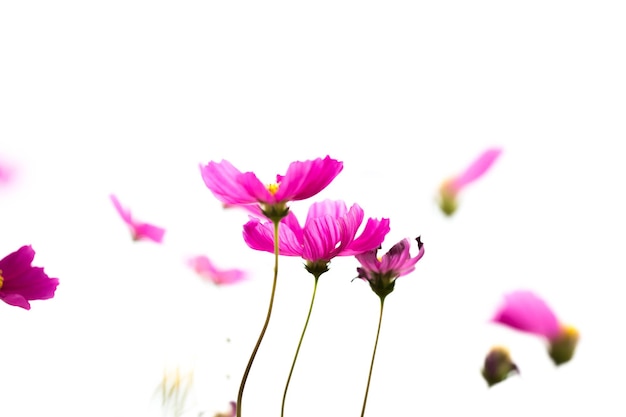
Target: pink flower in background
204 267
450 189
21 282
381 273
302 180
329 231
6 173
138 230
231 413
527 312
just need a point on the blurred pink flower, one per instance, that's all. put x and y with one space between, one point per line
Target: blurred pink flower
525 311
450 189
6 173
381 273
329 231
302 180
204 267
138 230
21 282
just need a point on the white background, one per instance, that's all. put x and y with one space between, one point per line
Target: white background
129 97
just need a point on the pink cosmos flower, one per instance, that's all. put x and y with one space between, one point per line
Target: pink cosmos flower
450 189
329 231
21 282
207 270
382 273
138 230
527 312
302 180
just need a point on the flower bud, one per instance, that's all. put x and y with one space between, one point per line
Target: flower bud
498 365
562 347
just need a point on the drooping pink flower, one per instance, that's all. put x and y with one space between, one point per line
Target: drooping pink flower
139 230
525 311
450 189
204 267
302 180
382 273
329 231
21 282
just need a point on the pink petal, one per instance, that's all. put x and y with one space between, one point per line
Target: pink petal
231 186
22 282
476 169
124 213
206 269
525 311
305 179
139 230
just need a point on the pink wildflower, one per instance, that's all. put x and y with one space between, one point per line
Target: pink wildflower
382 273
302 180
329 231
21 282
204 267
138 230
526 312
451 188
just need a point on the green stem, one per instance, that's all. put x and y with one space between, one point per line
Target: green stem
306 323
369 378
267 320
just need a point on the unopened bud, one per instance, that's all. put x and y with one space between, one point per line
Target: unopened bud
498 365
562 347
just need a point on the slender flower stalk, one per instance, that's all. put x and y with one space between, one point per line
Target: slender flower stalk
267 320
329 231
303 180
381 273
295 357
369 376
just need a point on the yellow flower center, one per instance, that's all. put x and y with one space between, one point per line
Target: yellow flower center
1 279
570 332
272 188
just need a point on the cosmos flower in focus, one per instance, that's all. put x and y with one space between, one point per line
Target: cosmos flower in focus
21 282
138 230
450 189
329 231
302 180
382 273
498 366
204 267
527 312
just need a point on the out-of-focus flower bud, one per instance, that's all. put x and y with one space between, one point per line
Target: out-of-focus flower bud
498 365
562 347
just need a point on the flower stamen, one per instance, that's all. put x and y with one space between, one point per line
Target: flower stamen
1 279
273 188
